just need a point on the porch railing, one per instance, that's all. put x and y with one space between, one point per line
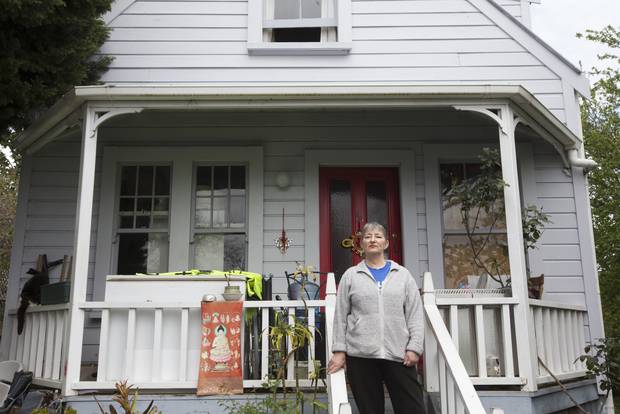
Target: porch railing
444 370
41 346
560 340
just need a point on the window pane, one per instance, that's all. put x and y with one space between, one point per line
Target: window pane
237 212
237 180
144 205
160 222
376 202
220 181
162 180
286 9
126 204
128 181
142 252
460 269
126 222
203 212
311 9
145 180
203 181
143 222
219 251
220 207
340 224
161 204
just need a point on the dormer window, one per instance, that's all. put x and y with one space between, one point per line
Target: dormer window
298 27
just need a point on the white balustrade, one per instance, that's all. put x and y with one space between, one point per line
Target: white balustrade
41 346
560 340
444 370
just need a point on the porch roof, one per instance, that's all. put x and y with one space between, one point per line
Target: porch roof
65 113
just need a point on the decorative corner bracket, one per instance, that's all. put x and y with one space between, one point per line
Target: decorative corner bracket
488 111
100 116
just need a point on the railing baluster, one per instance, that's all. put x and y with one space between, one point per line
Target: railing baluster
290 366
27 334
157 336
14 339
540 343
451 393
311 351
581 335
460 409
564 342
548 336
480 341
40 353
49 345
59 322
509 369
104 332
130 348
555 332
443 383
183 344
34 340
264 364
572 348
454 325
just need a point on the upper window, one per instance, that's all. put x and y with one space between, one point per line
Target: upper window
299 26
220 224
487 238
143 219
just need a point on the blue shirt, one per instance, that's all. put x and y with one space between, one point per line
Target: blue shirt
380 274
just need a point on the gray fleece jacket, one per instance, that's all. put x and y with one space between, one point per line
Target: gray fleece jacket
378 323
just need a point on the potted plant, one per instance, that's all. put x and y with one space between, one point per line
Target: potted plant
231 292
480 201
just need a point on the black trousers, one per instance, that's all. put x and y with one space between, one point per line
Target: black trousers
367 376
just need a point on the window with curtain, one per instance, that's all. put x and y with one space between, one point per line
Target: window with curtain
220 217
460 270
143 219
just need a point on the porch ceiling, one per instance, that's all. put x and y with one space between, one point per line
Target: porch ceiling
66 113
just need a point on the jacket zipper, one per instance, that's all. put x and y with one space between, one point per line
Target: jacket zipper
381 312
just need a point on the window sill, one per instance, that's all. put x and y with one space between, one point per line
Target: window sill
293 48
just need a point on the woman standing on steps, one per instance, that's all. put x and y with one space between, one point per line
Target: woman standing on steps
379 329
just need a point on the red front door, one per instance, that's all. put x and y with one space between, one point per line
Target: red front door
350 197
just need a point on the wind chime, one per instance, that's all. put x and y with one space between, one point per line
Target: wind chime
283 243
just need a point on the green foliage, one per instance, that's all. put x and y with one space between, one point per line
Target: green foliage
601 128
601 359
480 200
127 401
47 47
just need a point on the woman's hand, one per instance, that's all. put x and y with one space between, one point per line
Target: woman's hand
411 358
337 362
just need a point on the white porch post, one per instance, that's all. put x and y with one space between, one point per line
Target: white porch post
526 345
81 250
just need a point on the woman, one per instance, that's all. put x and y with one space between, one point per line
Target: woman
379 329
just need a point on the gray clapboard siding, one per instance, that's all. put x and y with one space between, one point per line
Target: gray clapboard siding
414 41
559 244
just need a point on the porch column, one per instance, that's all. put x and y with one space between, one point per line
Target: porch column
525 340
81 250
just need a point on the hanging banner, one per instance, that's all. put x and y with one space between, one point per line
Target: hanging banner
220 355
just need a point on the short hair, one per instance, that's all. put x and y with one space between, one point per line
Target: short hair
373 225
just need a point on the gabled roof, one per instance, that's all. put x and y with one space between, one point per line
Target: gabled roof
534 44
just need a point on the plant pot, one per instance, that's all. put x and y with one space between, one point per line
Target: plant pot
232 293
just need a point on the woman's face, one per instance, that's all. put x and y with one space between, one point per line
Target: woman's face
374 242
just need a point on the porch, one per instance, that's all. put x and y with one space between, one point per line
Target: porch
277 136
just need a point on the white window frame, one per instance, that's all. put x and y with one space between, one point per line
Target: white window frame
182 161
259 45
434 155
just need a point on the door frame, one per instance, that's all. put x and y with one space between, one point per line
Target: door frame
403 159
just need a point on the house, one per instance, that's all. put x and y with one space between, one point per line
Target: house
222 123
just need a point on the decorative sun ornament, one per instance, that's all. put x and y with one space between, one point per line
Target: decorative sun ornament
282 243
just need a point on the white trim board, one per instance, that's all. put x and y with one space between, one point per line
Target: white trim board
403 159
433 154
182 161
